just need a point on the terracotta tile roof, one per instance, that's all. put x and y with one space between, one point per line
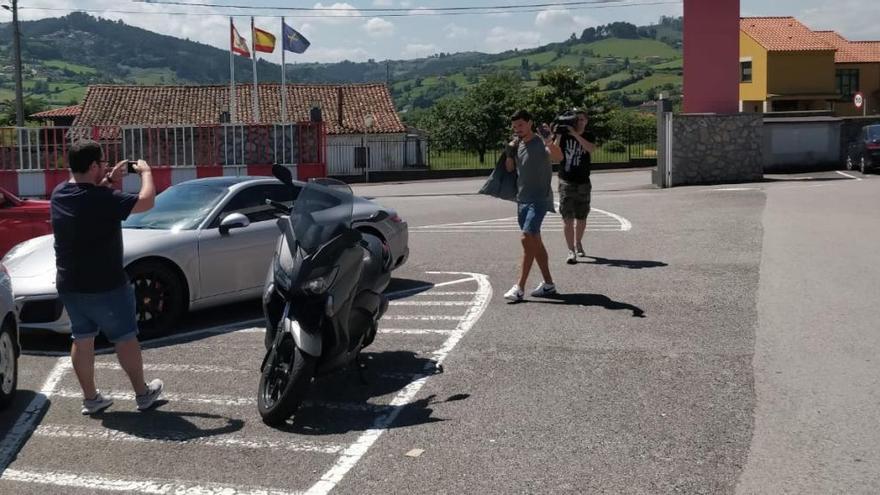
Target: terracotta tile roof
851 52
783 34
116 105
71 111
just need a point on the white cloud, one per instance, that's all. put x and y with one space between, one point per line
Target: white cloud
561 19
454 31
341 13
500 39
417 50
844 16
379 28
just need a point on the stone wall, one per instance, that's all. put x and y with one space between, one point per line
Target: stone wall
716 149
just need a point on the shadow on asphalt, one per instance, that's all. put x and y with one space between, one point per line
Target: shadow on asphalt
405 287
588 300
631 264
386 373
11 414
174 426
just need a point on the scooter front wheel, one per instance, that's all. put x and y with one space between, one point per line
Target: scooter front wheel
284 381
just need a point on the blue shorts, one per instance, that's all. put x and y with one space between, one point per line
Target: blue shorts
531 216
111 313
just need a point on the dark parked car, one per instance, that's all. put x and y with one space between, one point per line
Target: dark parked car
864 153
21 219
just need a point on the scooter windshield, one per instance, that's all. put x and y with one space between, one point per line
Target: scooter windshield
322 211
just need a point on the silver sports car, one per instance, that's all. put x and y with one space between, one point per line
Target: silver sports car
207 242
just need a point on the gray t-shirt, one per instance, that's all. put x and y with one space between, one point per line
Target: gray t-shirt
535 172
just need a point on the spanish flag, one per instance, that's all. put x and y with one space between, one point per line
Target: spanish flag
264 41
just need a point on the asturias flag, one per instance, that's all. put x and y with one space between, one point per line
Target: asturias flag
239 45
263 41
293 41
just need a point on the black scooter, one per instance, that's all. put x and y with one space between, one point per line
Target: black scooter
323 296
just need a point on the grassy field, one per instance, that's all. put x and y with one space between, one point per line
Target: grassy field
672 65
620 76
654 81
632 48
78 69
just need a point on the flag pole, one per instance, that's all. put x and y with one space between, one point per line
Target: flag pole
256 97
283 78
231 71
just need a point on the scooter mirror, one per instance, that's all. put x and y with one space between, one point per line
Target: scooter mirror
283 174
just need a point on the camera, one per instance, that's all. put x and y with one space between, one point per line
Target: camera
567 119
130 166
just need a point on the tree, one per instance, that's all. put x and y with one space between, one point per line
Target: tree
31 106
562 89
479 120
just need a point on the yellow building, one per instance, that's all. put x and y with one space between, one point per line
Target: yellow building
785 67
857 70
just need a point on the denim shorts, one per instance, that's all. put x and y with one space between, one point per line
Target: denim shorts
111 313
531 216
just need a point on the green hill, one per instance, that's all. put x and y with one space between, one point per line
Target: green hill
622 58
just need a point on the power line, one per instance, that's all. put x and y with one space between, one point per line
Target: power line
357 14
379 9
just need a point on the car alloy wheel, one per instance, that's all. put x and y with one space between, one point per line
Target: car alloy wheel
8 365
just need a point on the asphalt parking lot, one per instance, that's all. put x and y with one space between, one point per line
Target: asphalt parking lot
711 342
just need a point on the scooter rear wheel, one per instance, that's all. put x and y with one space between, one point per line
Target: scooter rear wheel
284 381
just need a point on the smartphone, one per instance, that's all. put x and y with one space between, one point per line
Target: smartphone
130 166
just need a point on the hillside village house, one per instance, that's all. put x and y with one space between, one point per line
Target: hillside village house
785 67
344 111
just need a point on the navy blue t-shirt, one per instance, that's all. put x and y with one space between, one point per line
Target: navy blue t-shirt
87 220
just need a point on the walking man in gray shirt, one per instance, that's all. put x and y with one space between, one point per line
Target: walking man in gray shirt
532 156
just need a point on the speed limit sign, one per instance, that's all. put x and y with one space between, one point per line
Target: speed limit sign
859 100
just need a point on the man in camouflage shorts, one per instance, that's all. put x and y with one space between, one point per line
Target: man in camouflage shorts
575 188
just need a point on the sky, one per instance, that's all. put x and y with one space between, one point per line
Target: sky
351 33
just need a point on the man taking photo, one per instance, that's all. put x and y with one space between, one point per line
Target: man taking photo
86 217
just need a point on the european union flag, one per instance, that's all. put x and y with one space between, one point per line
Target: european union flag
293 41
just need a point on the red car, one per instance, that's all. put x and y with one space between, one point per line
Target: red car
21 219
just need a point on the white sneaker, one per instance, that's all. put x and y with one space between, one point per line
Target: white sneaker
154 391
572 258
96 405
515 294
544 290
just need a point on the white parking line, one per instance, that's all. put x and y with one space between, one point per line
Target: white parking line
430 303
356 451
413 331
848 175
178 368
601 221
179 438
426 294
384 414
423 317
227 400
153 487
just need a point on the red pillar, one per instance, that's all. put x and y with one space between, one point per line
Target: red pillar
711 56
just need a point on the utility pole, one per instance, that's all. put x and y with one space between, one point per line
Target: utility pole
16 48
